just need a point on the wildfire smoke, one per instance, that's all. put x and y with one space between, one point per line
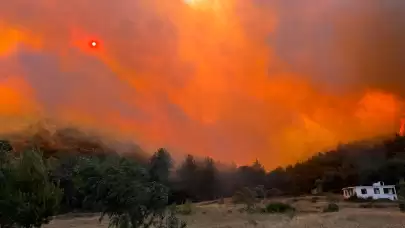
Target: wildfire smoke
233 79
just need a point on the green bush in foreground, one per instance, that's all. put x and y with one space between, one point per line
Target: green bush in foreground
246 197
332 207
119 187
27 197
185 209
123 189
277 207
171 220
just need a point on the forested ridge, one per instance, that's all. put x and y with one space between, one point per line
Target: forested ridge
68 172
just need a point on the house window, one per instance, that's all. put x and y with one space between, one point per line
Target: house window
388 191
363 191
376 191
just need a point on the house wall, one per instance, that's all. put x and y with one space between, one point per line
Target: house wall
370 192
348 192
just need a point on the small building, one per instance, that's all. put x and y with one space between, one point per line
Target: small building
376 191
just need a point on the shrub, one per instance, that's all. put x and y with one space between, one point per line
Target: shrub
171 220
186 208
314 199
402 206
278 207
332 207
27 197
123 189
245 196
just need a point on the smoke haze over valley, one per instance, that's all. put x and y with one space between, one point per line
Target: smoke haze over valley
277 80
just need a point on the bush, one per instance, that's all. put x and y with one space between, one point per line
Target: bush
245 196
185 209
123 189
27 197
402 206
277 207
171 220
332 207
314 199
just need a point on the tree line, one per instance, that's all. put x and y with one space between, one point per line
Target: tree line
35 186
356 163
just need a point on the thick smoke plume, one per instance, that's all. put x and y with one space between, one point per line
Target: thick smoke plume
237 80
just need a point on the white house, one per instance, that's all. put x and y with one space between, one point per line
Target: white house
377 191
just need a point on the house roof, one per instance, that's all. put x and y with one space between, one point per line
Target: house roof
369 186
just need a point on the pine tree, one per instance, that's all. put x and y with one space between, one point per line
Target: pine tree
208 180
187 176
160 165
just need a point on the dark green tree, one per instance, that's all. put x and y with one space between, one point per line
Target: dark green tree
5 146
61 172
251 176
123 190
160 165
187 178
208 180
27 197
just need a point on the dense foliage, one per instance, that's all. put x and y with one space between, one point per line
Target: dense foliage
358 163
361 163
27 197
36 186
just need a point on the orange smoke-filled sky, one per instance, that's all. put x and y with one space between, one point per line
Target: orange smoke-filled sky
276 80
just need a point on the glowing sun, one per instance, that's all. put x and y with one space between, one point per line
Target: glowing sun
214 5
194 2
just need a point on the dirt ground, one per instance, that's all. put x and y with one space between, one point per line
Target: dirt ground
308 215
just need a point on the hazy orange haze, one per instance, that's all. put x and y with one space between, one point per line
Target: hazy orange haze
232 79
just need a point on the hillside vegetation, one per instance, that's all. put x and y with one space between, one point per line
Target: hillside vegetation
65 171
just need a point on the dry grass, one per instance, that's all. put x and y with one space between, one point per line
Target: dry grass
309 215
